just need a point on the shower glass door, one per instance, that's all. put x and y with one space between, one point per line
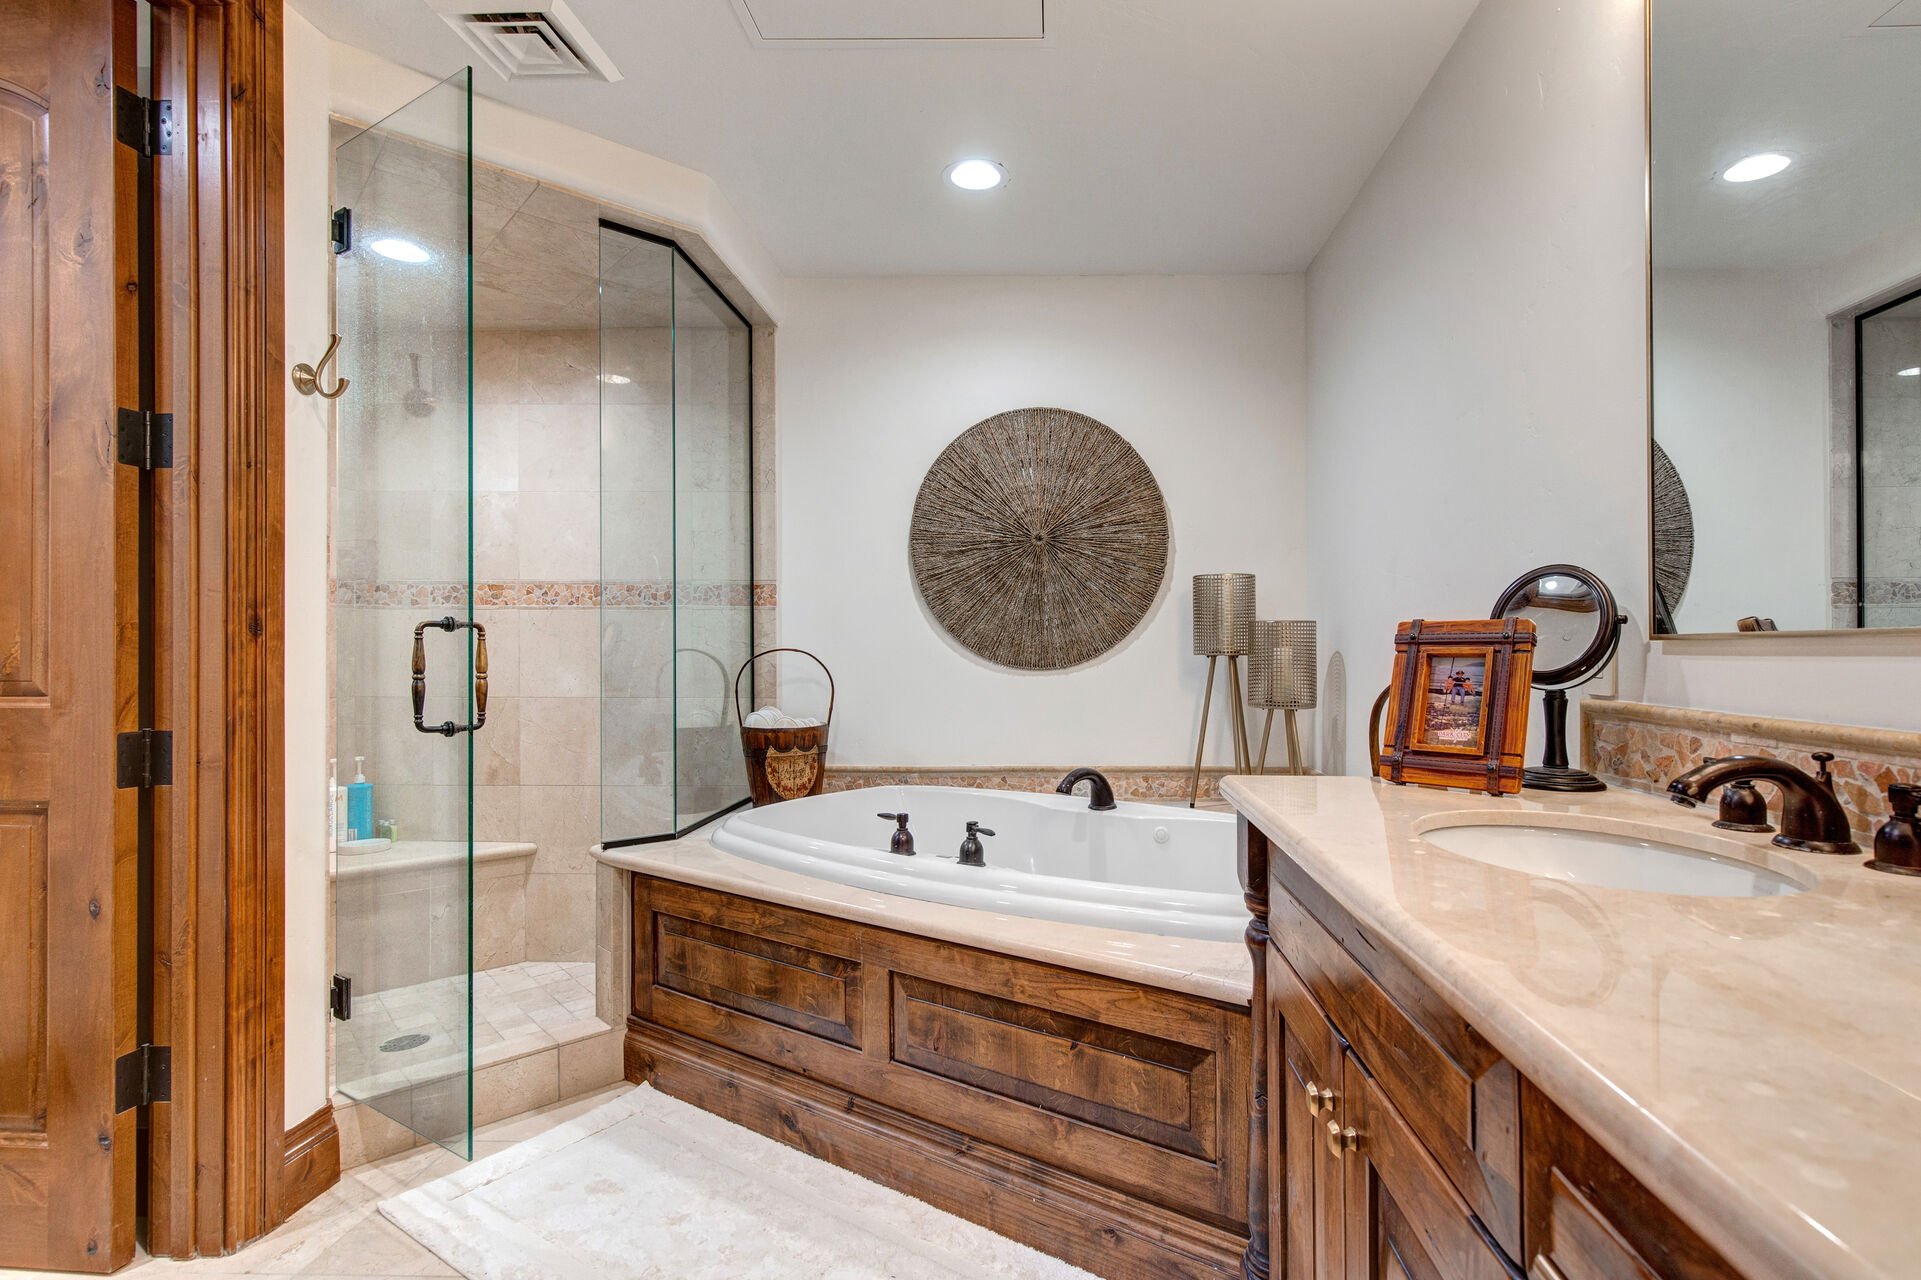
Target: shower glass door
409 663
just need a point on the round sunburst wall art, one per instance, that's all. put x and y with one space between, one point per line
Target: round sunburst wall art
1039 539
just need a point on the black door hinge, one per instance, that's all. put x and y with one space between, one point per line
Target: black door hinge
144 124
341 1001
143 758
142 1077
343 230
146 439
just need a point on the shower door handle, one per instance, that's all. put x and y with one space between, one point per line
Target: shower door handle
448 728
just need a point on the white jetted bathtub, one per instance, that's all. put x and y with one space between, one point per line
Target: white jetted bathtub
1143 867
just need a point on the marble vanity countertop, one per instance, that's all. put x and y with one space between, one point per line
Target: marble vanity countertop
1755 1061
1216 970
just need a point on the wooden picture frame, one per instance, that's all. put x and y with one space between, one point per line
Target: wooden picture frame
1458 704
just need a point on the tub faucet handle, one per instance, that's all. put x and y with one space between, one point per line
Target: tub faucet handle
902 840
972 852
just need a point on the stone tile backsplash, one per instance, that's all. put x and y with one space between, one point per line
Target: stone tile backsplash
1642 746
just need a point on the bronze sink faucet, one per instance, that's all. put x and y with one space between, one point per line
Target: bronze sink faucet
1812 819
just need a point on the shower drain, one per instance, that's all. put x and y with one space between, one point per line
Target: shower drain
400 1044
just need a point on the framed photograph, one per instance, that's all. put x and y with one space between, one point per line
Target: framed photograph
1458 703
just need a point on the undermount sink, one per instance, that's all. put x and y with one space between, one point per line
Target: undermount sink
1613 860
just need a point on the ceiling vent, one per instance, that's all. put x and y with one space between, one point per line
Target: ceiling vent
535 40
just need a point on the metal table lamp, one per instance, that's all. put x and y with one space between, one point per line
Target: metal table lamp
1282 664
1223 627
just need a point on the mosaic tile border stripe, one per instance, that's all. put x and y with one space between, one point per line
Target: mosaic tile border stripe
1641 746
1880 591
1161 783
554 595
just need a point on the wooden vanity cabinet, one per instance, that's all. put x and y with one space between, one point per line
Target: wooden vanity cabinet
1401 1146
1357 1196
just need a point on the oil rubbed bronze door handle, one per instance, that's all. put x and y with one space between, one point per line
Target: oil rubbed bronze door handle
306 377
448 728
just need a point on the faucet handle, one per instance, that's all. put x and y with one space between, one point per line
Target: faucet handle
1821 774
976 829
894 817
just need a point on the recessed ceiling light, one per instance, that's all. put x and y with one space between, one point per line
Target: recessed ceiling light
400 250
1909 373
1754 168
976 175
615 379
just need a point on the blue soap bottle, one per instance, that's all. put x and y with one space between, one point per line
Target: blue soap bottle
360 803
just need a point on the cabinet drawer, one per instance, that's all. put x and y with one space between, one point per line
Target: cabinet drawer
1455 1093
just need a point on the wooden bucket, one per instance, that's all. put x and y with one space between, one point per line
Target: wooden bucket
784 764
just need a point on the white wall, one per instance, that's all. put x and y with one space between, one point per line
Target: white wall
1202 375
1486 290
1476 343
1741 406
309 425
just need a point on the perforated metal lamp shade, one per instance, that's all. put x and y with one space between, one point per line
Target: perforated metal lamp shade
1223 613
1282 662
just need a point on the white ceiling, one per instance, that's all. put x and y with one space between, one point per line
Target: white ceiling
1153 136
1817 81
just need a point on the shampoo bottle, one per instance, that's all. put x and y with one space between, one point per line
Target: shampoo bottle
360 803
333 805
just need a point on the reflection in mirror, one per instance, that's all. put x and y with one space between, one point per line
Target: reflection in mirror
1577 628
1786 295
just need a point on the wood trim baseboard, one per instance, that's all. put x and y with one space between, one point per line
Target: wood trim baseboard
312 1162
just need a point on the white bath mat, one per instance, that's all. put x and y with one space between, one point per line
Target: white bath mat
648 1186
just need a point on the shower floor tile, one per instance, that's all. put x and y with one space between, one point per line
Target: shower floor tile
517 1009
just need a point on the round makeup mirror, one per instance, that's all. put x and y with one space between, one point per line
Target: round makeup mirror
1577 628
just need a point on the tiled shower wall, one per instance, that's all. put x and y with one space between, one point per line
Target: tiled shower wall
537 553
1890 477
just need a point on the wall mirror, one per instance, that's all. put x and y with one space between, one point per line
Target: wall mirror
1785 279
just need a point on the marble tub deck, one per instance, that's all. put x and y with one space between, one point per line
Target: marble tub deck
1219 971
1756 1062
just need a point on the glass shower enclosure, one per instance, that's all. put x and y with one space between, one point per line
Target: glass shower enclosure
677 596
409 682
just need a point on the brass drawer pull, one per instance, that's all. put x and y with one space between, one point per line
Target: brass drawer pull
1318 1099
1341 1141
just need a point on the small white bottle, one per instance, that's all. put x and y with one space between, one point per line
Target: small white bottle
333 805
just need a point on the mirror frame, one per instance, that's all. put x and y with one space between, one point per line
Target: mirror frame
1836 641
1591 661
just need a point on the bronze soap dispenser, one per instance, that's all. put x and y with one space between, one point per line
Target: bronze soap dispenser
1897 845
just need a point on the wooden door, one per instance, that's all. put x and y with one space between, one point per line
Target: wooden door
1405 1221
68 894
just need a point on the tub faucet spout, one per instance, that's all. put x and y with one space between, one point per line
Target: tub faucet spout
1100 795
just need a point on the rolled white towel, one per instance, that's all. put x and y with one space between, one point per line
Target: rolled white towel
775 718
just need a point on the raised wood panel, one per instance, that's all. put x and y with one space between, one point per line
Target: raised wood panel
1078 1219
24 408
1156 1090
1462 1099
23 972
1143 1092
806 990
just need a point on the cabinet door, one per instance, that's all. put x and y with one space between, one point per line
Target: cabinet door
1588 1219
1305 1193
1310 1184
1405 1221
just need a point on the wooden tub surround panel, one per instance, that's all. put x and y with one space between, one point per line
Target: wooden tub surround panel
1099 1121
